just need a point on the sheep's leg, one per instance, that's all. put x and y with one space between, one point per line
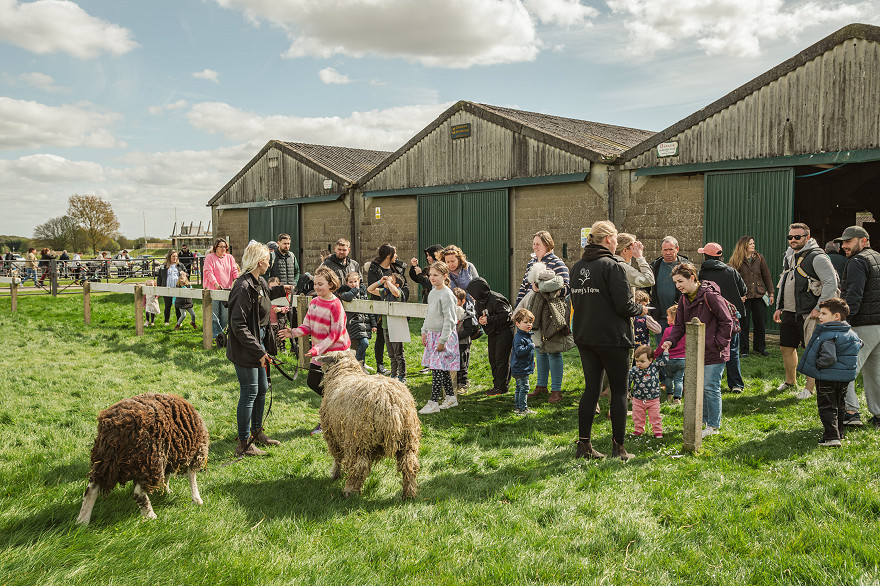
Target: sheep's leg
336 452
194 488
85 512
356 474
335 470
143 501
408 466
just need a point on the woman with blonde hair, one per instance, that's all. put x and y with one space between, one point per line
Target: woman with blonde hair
603 308
249 308
753 268
628 248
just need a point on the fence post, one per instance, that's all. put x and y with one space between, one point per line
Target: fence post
13 294
302 307
207 319
139 310
87 302
53 277
692 395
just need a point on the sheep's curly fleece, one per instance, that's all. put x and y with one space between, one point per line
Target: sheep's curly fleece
145 438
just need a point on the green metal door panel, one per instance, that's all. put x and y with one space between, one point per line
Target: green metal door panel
485 236
285 220
477 222
260 225
757 203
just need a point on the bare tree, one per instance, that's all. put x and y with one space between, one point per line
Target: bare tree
57 233
96 218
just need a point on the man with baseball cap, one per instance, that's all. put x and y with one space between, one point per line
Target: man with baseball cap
860 288
807 279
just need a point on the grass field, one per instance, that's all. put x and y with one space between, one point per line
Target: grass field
501 498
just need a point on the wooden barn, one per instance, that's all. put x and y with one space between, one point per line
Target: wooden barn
487 178
800 142
305 190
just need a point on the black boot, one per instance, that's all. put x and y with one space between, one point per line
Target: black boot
243 449
618 451
585 450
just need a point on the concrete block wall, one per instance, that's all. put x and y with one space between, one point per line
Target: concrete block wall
561 209
666 205
321 224
398 225
232 224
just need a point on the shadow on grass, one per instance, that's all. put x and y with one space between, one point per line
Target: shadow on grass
778 445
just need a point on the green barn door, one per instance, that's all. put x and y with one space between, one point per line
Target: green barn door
757 203
285 220
477 222
259 225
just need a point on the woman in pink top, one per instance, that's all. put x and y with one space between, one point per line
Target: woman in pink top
220 273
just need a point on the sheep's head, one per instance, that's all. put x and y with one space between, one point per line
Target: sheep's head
336 358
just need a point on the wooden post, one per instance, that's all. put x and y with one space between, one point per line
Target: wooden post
87 302
13 294
53 277
692 396
207 320
139 310
302 307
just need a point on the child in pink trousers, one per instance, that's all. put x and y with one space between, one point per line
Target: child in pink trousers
644 381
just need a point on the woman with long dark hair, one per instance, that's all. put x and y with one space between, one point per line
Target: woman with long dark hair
753 267
385 264
603 305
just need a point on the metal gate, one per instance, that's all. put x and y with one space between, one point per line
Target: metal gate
476 221
758 203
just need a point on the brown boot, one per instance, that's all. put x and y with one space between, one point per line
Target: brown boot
195 327
585 450
618 451
537 392
264 440
243 449
177 327
555 397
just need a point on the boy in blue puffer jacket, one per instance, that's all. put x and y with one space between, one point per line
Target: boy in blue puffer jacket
831 358
522 358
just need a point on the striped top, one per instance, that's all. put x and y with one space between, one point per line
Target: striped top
555 264
325 322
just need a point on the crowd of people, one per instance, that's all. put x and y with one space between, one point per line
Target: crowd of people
625 316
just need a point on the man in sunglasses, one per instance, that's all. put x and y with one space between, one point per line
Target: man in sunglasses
807 279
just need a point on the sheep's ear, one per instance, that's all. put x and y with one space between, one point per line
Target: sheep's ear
329 358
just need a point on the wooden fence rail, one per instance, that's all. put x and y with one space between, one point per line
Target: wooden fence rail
13 283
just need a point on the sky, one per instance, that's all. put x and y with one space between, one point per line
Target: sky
154 106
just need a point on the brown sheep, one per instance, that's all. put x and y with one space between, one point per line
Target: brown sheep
143 439
366 418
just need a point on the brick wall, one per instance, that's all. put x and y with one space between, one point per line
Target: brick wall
561 209
321 224
398 225
232 224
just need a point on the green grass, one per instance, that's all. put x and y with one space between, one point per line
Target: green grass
501 499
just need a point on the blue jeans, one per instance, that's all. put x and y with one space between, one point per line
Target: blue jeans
29 274
712 394
251 400
734 375
361 352
674 377
219 317
522 390
549 365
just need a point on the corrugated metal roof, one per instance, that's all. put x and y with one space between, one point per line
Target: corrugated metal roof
605 139
346 162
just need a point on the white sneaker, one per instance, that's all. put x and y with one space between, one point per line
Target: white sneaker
430 407
804 394
525 412
450 401
834 443
709 431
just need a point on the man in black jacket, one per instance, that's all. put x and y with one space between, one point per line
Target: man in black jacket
861 290
663 292
185 256
733 289
340 263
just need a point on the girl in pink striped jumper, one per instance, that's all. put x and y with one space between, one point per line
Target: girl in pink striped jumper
325 323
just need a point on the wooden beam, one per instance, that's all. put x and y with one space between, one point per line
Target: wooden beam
692 395
207 319
87 302
138 310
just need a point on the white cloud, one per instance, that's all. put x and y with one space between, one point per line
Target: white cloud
53 26
568 13
47 168
329 75
28 124
435 33
208 74
41 81
731 27
156 110
375 129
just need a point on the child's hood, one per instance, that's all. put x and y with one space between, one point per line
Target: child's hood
479 289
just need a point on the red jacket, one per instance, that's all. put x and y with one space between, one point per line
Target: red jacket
710 308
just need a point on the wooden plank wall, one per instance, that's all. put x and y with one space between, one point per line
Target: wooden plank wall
828 104
491 153
290 179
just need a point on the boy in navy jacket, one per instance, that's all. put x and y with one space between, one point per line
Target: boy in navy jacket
831 358
522 358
